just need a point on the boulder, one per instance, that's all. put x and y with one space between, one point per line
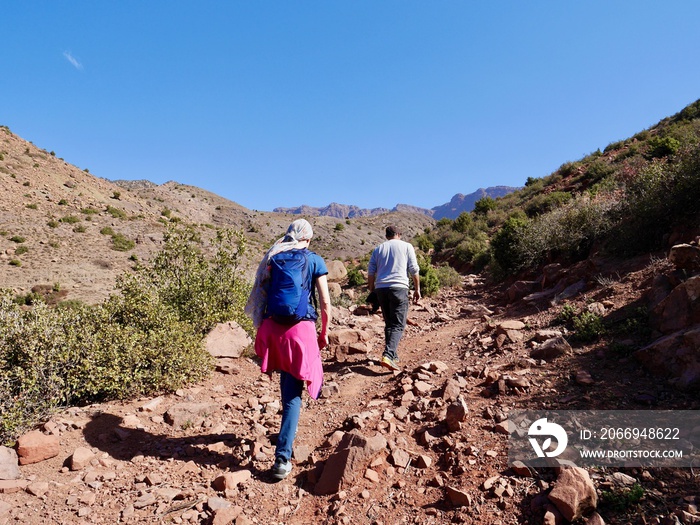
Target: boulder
457 412
676 356
551 349
574 494
81 458
334 290
227 340
188 414
348 462
35 446
336 271
680 309
9 464
685 257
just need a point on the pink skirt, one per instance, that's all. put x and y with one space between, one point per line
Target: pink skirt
293 349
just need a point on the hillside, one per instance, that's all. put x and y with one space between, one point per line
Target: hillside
57 211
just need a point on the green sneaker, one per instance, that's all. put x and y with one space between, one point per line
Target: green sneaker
389 363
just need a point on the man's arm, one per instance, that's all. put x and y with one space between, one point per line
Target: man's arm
414 270
416 288
372 270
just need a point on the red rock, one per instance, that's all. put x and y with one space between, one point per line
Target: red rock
35 446
574 493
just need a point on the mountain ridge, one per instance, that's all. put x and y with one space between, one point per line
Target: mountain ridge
458 204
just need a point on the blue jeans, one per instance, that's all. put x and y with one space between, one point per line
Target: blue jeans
291 389
394 304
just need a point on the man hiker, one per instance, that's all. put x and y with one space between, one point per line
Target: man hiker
389 267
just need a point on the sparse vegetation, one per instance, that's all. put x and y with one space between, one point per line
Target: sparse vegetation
121 243
116 212
143 340
18 239
621 499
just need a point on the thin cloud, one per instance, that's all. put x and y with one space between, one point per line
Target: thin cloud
74 61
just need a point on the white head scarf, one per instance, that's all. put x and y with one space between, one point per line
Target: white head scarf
299 231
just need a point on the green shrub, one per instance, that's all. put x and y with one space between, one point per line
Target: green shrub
89 211
505 242
203 291
463 223
597 170
355 277
588 327
33 206
485 205
566 314
662 196
663 147
448 277
70 219
121 244
15 262
18 239
339 227
429 281
423 242
567 232
80 228
21 249
621 499
63 202
547 202
107 230
116 212
53 223
466 250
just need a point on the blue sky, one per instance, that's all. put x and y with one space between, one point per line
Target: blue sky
373 103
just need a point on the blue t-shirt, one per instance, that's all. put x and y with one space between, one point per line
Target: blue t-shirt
317 268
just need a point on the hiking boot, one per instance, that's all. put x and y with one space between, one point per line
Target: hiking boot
281 468
389 363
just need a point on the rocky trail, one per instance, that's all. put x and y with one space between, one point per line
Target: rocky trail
426 445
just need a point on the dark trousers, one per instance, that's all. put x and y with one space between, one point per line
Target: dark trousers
394 305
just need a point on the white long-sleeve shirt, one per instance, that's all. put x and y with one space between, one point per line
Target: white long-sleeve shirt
391 262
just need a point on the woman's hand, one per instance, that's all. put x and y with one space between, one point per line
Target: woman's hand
322 340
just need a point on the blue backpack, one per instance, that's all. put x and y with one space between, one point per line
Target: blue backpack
290 287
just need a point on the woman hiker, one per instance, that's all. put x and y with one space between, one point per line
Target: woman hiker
285 319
